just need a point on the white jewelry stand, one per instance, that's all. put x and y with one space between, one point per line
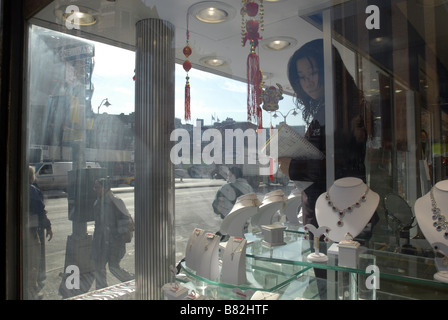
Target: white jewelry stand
272 202
423 213
193 253
208 266
234 261
245 207
173 290
243 295
264 295
344 193
193 295
317 256
291 208
441 263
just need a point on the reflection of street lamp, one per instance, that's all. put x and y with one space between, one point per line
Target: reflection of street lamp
284 116
105 103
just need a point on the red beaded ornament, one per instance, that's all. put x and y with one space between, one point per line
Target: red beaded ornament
249 31
187 66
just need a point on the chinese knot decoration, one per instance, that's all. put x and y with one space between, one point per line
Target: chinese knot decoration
187 66
250 12
271 97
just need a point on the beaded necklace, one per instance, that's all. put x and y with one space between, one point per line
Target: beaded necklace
440 221
349 209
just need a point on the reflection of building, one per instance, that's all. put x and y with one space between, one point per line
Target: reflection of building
108 132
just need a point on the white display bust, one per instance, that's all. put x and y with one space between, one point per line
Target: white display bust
246 206
426 218
345 193
272 202
291 207
424 215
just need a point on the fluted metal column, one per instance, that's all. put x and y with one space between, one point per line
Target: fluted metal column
154 174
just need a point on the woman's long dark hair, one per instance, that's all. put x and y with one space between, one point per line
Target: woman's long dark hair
349 132
345 87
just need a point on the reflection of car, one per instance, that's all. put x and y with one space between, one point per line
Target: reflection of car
54 175
201 171
128 180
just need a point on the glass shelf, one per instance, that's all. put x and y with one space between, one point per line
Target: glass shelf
286 268
392 265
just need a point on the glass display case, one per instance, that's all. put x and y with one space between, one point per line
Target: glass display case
285 269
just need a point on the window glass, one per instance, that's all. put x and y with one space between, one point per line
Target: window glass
46 169
362 92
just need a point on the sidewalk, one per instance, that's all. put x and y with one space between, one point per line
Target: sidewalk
185 183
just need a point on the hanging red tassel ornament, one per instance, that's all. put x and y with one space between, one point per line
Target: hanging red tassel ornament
249 32
187 66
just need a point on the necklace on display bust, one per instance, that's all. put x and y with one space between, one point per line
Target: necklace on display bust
233 251
349 209
440 221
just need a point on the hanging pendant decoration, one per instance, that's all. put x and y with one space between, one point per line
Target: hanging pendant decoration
187 66
249 31
271 97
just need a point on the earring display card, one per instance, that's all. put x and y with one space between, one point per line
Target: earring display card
234 261
193 252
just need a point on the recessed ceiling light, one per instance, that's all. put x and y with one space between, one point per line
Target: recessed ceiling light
213 61
212 15
212 11
278 43
82 16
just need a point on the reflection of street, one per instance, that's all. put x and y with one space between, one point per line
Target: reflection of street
193 210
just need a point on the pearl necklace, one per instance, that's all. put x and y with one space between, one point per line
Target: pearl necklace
440 221
349 209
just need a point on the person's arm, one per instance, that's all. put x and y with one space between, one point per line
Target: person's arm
302 170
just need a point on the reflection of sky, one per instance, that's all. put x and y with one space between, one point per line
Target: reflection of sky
210 95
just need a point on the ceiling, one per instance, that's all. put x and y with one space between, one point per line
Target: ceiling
117 19
282 18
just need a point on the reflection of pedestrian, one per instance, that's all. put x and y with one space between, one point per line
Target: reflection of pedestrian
112 221
38 222
226 196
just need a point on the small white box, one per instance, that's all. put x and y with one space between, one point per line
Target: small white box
273 234
348 253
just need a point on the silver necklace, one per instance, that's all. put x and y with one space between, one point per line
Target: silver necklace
349 209
440 221
233 251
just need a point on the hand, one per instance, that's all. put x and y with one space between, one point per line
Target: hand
283 164
49 234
